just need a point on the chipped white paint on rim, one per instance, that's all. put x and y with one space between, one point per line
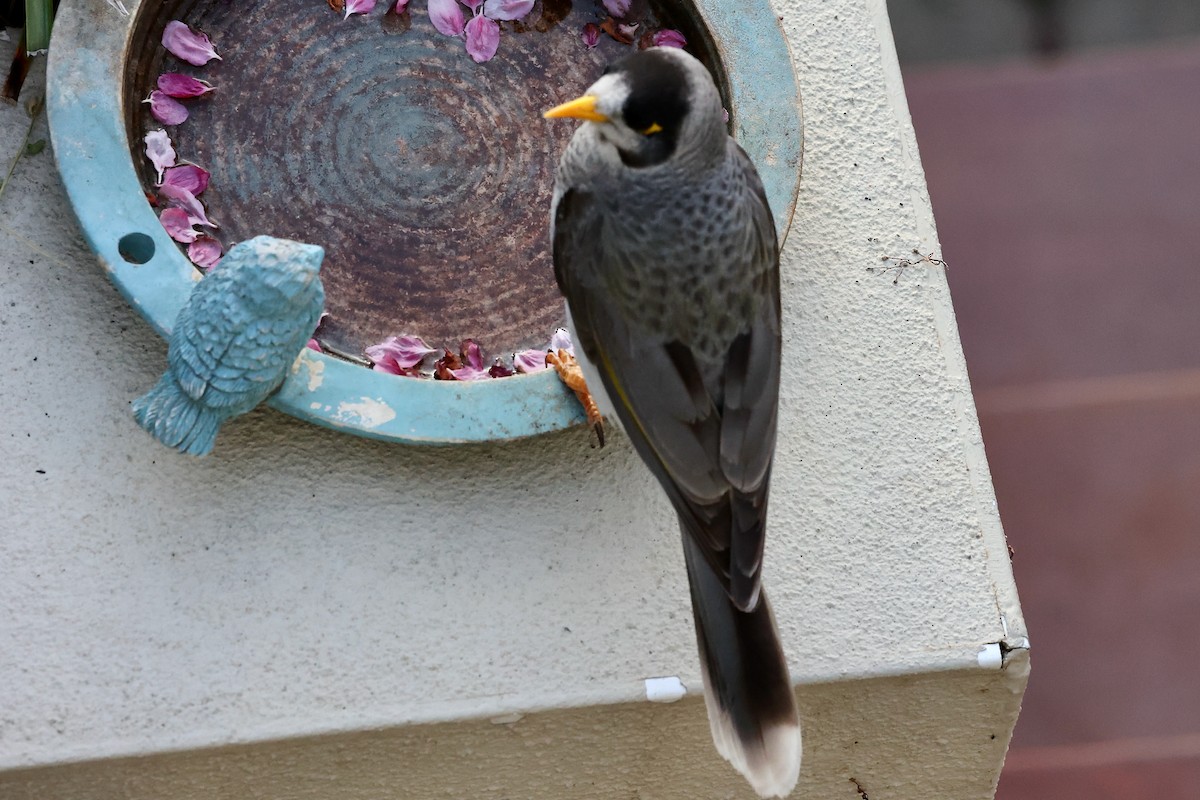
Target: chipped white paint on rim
366 413
316 370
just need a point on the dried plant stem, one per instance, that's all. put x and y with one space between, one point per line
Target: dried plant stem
17 72
35 110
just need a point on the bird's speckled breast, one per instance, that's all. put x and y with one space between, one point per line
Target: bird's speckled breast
683 252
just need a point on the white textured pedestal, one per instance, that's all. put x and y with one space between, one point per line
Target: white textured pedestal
306 614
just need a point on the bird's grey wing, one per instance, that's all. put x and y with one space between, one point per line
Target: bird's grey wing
711 453
751 377
749 412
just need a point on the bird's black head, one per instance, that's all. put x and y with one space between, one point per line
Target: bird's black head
656 105
652 106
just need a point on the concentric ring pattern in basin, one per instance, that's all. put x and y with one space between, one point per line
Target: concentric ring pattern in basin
424 175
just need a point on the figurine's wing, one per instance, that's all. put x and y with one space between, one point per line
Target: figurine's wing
257 362
230 356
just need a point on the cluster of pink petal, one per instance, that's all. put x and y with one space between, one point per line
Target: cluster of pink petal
623 32
187 45
180 185
412 357
401 355
481 33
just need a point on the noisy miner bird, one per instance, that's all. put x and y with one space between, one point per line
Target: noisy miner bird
242 328
665 250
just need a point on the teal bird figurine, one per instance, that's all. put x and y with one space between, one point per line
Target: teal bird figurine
234 341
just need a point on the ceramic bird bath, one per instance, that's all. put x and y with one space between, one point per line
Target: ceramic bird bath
424 175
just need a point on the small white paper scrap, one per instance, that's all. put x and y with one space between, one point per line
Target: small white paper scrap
991 656
665 690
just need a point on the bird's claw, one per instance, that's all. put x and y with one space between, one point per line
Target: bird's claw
570 373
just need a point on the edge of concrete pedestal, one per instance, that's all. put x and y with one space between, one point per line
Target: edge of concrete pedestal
907 723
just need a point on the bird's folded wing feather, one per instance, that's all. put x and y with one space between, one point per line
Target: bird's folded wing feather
711 453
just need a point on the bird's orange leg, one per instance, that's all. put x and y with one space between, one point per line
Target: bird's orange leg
570 373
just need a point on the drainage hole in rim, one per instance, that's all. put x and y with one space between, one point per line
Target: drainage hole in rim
136 248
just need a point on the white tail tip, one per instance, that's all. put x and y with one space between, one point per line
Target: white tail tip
771 769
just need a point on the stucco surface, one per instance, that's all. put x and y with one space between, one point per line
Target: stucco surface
886 738
300 581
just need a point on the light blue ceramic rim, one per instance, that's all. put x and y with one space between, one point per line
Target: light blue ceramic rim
90 142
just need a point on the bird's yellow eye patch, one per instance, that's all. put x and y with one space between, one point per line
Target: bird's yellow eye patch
654 128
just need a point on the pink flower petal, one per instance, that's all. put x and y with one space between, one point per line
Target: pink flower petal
400 7
724 114
472 4
471 367
205 252
399 353
528 361
447 17
507 9
313 344
627 31
188 45
359 7
178 225
499 370
174 84
590 35
389 367
561 340
188 176
618 8
483 39
472 353
669 37
165 109
470 374
159 151
187 201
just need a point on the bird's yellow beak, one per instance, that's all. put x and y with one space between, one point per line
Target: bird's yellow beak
579 108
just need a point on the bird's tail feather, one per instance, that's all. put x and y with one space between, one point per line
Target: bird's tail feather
175 419
751 708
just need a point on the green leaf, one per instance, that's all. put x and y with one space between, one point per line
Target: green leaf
33 148
39 15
